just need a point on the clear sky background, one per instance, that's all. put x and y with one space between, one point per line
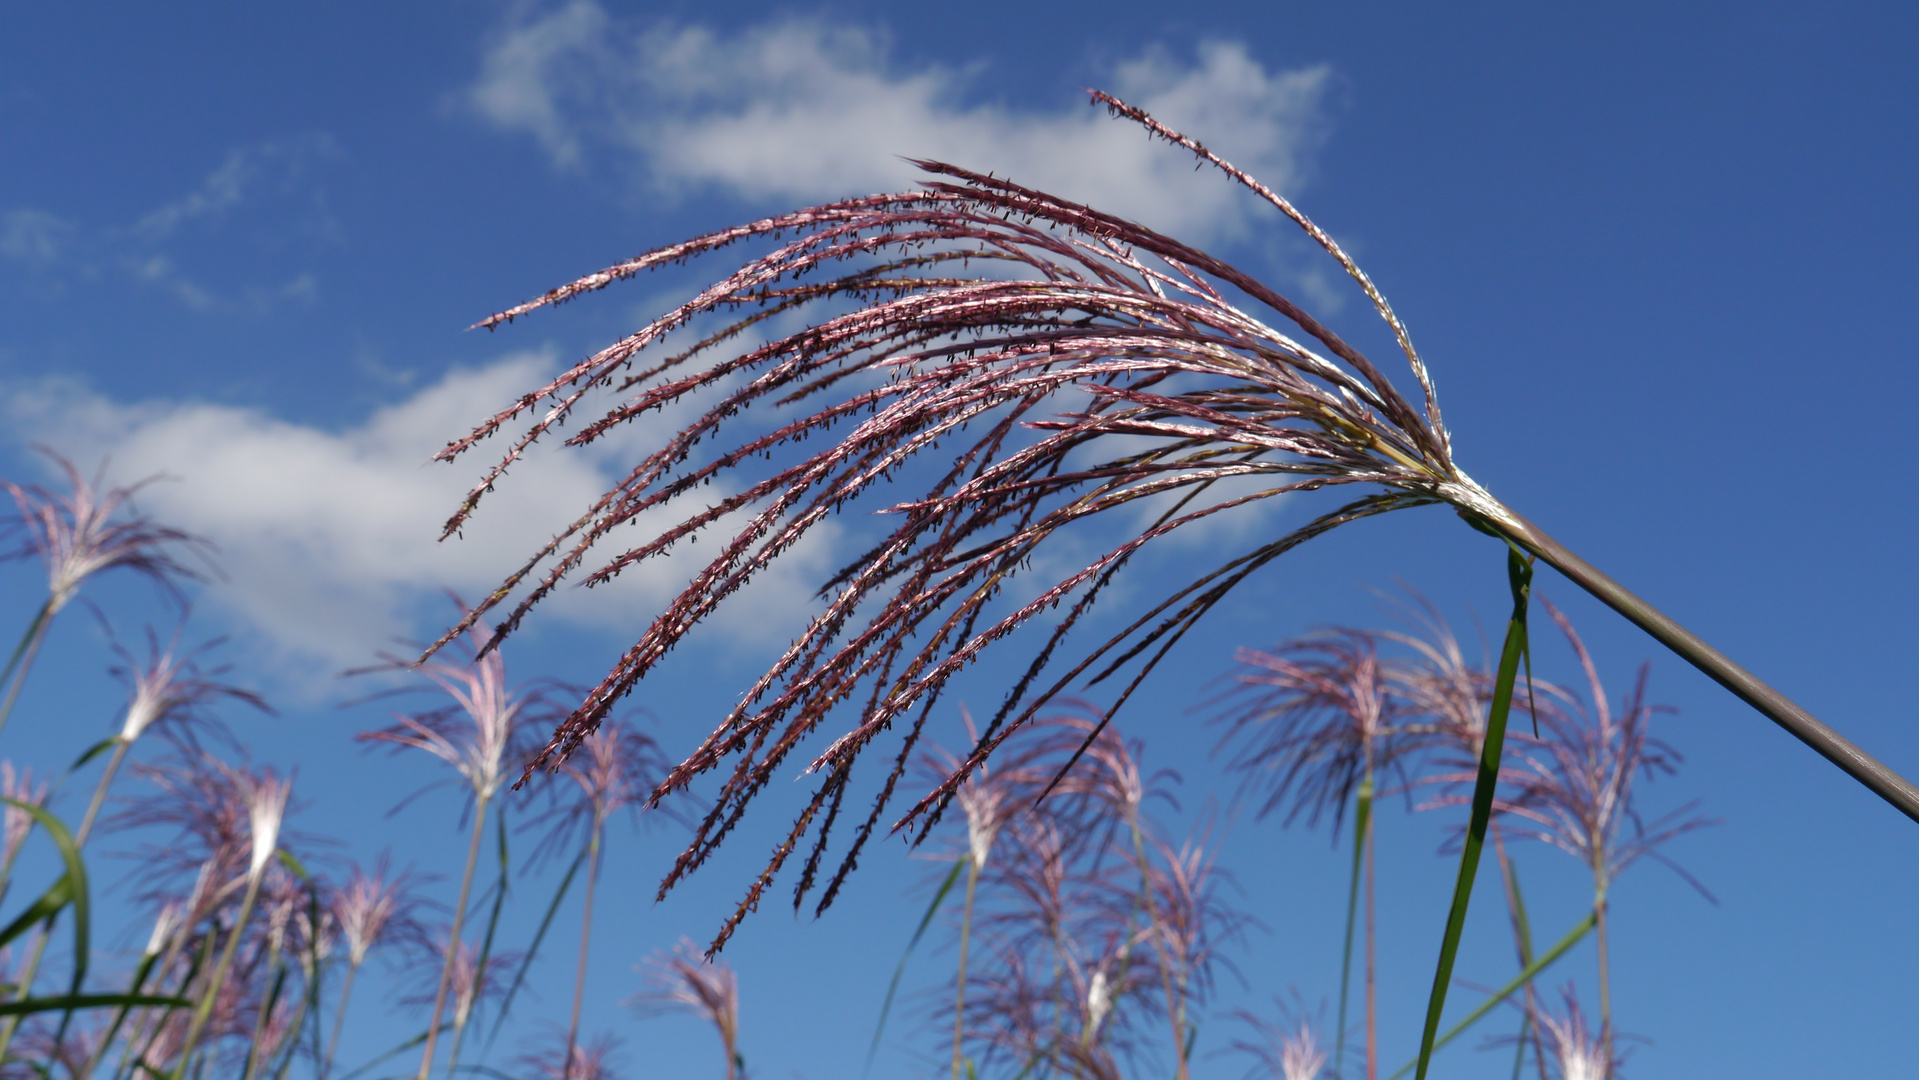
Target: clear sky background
1661 259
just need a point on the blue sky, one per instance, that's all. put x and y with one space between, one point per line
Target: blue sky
1660 259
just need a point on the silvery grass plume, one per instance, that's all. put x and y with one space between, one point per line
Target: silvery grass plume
1068 971
617 767
478 735
988 800
1316 722
1286 1046
682 980
1094 776
564 1060
168 690
78 535
372 908
1576 1051
1059 363
265 796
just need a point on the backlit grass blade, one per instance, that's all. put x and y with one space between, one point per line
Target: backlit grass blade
1362 820
49 905
886 1007
1531 972
1519 572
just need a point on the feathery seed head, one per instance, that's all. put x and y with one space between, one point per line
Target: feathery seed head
83 532
266 797
170 686
1035 362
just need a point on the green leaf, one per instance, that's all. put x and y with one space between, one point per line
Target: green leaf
29 1006
76 879
292 863
1519 572
892 988
46 907
94 751
1531 972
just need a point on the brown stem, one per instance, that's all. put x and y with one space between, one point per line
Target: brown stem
1831 745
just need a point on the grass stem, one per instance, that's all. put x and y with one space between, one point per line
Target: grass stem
453 938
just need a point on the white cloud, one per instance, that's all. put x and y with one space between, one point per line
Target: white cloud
801 110
328 538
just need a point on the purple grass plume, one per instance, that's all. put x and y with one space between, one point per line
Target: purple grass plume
990 366
89 530
1016 332
593 1059
682 980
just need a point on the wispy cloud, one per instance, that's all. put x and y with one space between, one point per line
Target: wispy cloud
807 110
269 190
328 538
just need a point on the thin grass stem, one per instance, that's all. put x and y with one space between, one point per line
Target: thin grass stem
959 984
1362 814
453 937
586 931
205 1010
339 1020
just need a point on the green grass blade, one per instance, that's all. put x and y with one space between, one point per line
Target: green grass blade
1362 820
533 950
1519 572
29 1006
94 751
76 879
886 1007
1531 972
49 905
